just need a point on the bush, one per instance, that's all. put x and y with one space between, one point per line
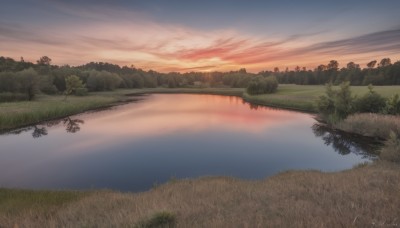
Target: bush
9 97
392 106
391 150
49 89
326 103
159 220
371 102
81 92
336 105
261 85
343 101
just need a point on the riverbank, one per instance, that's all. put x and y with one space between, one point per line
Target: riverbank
297 97
365 196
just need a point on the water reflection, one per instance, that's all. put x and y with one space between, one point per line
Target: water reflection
129 147
345 143
40 130
72 125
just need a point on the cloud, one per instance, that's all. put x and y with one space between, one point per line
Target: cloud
125 37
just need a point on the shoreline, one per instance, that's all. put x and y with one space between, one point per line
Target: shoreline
288 198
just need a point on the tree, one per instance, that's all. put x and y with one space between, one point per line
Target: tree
72 83
44 60
261 85
385 62
276 69
371 64
29 82
352 66
333 65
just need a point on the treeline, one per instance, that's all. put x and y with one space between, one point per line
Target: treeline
382 73
20 80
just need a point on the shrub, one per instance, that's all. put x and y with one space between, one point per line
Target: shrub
9 97
391 150
343 101
81 92
159 220
326 104
371 102
261 85
49 89
392 106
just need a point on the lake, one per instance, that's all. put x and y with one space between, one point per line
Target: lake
134 146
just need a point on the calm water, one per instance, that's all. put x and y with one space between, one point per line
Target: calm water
133 146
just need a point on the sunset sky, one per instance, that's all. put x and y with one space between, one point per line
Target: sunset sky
202 35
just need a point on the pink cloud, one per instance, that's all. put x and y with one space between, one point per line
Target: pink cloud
136 39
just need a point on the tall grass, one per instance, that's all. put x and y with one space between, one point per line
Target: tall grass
369 124
391 151
23 113
367 196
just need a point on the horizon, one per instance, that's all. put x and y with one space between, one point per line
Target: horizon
181 36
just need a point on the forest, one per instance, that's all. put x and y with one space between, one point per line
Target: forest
22 80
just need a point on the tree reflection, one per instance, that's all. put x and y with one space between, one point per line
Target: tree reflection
72 126
345 143
40 130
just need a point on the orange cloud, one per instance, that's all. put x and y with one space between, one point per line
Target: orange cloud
138 40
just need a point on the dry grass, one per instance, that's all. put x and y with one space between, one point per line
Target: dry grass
365 196
373 125
391 150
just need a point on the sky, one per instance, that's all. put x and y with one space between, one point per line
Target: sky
218 35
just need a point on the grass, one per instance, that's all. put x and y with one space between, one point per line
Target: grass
365 196
304 97
17 114
16 203
370 124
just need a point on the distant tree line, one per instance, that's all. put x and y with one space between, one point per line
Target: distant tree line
382 73
21 80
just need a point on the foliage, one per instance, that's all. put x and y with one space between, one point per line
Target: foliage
81 92
392 105
326 103
72 84
262 85
28 82
371 102
336 105
103 80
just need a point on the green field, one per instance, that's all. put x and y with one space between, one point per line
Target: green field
304 97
